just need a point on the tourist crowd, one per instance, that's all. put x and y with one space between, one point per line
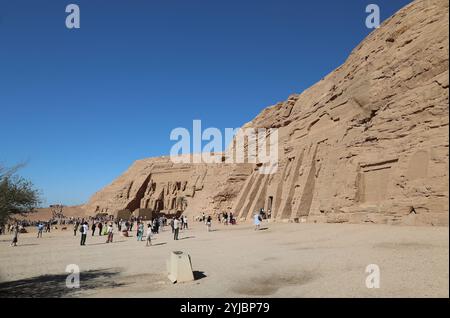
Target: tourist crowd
107 225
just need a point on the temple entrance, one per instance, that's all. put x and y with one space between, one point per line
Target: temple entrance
159 205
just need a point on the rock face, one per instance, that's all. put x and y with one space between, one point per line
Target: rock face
158 184
368 143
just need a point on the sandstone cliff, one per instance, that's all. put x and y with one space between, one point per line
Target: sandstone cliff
368 143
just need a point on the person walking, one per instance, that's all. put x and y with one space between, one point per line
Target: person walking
149 234
176 228
40 229
84 229
140 231
110 233
105 228
15 230
208 223
93 227
162 223
153 222
100 227
257 221
75 228
131 225
172 224
185 222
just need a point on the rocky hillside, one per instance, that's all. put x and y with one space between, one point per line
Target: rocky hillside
368 143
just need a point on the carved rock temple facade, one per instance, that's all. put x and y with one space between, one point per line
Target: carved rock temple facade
368 143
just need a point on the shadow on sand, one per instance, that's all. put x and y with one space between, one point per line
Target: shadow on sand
54 286
199 275
159 244
103 243
186 238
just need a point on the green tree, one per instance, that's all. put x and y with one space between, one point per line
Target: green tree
17 195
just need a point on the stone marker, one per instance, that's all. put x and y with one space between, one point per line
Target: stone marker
179 267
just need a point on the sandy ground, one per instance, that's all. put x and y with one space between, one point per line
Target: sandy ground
284 260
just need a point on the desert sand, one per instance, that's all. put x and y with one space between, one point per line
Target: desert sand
282 260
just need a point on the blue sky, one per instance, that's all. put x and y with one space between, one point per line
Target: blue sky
79 106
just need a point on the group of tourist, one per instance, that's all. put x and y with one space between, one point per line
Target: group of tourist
43 227
83 227
20 225
14 229
123 226
147 229
259 217
226 218
100 223
177 223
